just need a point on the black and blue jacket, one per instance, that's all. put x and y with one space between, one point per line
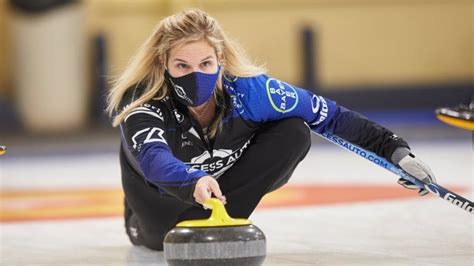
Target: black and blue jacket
166 147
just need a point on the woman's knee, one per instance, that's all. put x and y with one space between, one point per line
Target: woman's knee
155 242
143 236
153 236
294 135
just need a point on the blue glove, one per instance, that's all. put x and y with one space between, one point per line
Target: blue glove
415 167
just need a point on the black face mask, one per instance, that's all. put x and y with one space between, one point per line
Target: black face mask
194 88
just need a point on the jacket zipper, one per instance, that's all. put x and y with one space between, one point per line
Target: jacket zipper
201 134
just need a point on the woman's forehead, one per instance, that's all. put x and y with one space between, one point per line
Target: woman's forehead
193 50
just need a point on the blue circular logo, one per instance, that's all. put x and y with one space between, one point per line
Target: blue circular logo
283 97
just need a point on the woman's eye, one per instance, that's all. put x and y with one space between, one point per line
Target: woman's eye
182 66
206 63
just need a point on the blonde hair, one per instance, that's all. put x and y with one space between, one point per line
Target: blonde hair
148 65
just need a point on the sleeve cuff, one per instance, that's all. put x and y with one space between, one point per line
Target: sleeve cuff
399 154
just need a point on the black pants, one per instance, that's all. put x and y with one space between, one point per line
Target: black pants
266 165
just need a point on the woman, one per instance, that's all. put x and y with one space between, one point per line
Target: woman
198 120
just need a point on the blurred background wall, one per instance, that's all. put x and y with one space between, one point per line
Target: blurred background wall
359 41
415 53
5 75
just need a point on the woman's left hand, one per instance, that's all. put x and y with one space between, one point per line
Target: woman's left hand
418 169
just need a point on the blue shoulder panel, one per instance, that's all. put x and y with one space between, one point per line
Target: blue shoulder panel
262 98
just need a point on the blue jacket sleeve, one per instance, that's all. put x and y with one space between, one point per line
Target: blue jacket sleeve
267 99
143 132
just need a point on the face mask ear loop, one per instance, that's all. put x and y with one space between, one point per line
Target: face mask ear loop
218 100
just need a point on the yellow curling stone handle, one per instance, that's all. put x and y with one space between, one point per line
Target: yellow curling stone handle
461 123
219 217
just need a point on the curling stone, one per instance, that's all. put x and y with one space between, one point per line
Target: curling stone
3 150
461 116
219 240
